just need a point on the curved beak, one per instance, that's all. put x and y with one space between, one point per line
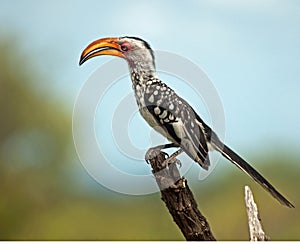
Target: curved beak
104 46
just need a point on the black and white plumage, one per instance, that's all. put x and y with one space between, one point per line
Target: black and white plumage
168 113
171 116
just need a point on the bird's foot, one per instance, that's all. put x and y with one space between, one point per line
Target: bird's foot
171 160
153 152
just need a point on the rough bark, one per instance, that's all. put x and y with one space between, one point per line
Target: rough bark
180 201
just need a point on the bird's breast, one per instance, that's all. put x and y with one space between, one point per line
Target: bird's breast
140 92
140 99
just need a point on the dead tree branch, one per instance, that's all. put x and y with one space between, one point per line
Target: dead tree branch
255 227
180 201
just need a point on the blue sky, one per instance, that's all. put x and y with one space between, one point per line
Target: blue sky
249 49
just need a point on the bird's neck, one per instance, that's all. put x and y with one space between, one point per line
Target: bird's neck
142 75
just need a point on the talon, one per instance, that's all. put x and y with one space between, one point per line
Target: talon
165 154
178 162
171 160
168 161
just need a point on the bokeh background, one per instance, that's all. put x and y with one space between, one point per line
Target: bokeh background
249 49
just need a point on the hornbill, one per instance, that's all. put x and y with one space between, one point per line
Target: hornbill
168 113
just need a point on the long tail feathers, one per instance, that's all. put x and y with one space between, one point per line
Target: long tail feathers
244 166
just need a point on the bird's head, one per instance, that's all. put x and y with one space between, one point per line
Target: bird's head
134 50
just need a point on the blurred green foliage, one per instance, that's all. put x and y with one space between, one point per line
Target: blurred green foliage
40 198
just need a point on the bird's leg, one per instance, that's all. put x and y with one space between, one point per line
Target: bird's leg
173 159
154 151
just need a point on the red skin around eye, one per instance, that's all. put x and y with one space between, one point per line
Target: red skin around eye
126 44
129 48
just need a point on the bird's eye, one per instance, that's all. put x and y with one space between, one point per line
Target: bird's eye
124 48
